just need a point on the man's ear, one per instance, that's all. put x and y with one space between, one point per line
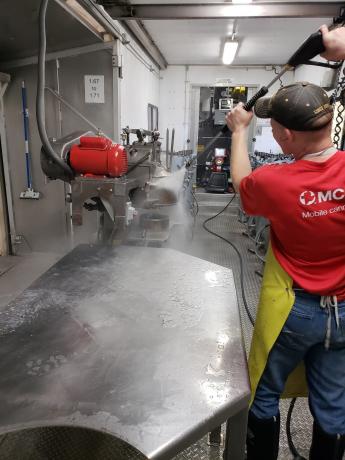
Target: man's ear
287 135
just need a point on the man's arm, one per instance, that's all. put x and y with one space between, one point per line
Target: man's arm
334 42
238 121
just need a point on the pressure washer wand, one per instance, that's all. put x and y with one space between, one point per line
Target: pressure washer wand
250 104
312 46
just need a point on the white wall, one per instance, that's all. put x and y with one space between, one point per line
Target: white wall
177 82
139 87
172 103
312 74
265 141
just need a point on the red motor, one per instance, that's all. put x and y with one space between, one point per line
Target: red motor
98 156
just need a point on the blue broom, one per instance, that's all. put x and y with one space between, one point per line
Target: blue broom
29 193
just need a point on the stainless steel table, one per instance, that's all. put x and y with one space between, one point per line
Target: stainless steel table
142 344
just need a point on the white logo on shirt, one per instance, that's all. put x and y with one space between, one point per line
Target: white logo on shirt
307 198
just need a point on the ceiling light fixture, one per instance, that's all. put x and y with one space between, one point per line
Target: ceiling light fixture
241 1
229 51
85 17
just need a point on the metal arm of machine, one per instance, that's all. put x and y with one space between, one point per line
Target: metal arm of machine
72 109
140 133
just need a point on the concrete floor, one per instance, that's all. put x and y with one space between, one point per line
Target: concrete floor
18 272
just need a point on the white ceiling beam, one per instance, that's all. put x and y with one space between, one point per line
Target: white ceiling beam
227 11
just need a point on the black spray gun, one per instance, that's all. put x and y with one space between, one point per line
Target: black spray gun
312 47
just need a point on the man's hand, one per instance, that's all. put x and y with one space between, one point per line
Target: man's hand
334 42
238 119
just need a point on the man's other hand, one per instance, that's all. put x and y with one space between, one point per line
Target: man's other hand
238 119
334 42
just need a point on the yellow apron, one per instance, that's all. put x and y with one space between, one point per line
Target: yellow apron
276 301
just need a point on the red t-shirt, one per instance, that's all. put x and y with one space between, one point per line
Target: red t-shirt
305 203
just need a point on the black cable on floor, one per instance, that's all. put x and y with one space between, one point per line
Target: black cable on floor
292 447
251 319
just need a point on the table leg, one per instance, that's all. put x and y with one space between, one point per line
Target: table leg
235 437
215 437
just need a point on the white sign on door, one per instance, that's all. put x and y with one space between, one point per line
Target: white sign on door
94 89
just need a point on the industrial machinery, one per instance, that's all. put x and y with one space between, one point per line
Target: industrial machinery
99 168
225 99
220 172
105 176
220 161
118 181
215 103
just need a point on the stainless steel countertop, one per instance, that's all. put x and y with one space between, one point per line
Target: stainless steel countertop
141 343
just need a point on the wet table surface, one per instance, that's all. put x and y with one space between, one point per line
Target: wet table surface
141 343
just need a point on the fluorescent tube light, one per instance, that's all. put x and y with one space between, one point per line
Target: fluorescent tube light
229 52
241 1
85 16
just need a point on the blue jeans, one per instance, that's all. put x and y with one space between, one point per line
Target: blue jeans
302 338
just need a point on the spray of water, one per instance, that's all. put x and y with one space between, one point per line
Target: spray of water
172 196
173 182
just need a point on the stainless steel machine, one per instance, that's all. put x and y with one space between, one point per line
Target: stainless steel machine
121 182
105 176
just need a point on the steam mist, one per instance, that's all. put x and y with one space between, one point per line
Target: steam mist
176 188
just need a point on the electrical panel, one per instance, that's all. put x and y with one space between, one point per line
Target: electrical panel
225 99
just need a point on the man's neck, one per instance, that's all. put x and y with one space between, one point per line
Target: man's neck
315 148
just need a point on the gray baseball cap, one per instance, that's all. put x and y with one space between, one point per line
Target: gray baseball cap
301 106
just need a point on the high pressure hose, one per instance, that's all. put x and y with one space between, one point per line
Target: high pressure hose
40 104
251 319
293 450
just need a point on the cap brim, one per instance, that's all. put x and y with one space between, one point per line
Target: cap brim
262 108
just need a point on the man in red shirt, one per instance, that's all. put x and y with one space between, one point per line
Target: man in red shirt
305 203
